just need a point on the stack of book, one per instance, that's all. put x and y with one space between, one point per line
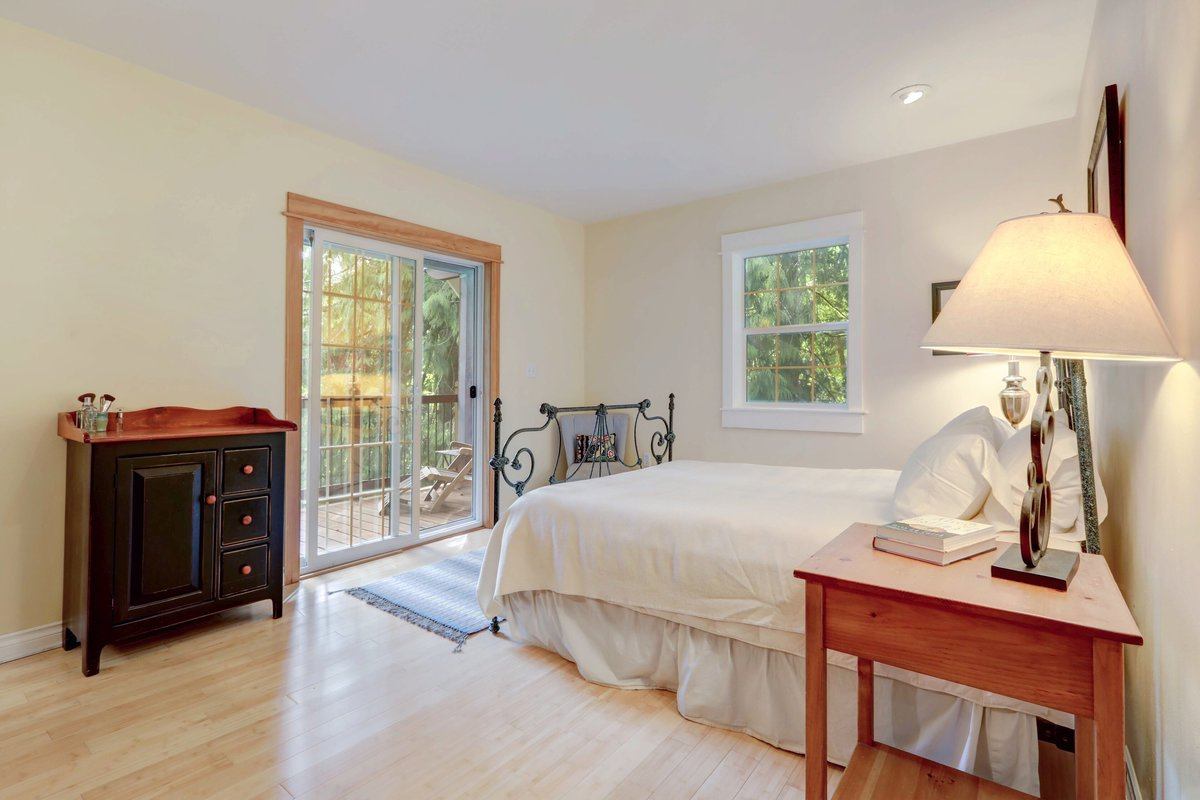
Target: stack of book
938 540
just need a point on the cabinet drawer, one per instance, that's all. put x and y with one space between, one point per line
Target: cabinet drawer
245 520
246 470
244 570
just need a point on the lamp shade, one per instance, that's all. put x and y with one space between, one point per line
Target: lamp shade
1062 283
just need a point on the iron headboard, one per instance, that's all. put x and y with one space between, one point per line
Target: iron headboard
522 462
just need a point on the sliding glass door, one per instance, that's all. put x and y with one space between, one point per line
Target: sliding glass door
387 330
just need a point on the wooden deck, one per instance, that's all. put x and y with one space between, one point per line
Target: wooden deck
346 523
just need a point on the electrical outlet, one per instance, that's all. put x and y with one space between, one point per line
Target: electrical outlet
531 371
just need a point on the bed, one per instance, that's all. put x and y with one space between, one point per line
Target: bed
679 577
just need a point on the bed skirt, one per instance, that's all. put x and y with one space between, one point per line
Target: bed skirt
731 684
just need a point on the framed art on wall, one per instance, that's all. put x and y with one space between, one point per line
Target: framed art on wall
1106 163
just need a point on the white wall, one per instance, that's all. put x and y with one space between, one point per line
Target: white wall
1147 418
143 256
654 292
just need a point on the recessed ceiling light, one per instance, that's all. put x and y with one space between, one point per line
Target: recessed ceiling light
911 94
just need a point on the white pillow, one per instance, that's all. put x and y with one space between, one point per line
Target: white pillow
948 473
1009 483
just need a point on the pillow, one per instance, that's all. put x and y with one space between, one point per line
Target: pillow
1009 483
589 447
948 473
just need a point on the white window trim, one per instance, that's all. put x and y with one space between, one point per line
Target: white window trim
735 247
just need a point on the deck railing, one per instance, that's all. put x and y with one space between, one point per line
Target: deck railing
357 439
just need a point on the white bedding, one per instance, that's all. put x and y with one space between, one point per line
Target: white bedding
704 544
707 540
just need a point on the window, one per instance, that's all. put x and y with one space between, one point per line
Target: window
793 350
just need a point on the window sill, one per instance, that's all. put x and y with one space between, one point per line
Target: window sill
819 420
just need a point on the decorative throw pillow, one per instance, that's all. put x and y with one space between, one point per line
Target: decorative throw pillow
948 473
591 448
1009 482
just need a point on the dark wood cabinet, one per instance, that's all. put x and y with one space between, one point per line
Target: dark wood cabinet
176 516
163 548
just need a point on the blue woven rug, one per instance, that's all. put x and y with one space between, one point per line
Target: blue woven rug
439 598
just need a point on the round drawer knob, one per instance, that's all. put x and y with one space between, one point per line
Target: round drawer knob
246 569
211 500
246 520
248 469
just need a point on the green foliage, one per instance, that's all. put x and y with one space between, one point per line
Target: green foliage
441 310
357 347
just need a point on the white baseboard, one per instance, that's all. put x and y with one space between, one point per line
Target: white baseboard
31 641
1132 790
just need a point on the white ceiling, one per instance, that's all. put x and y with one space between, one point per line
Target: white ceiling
606 107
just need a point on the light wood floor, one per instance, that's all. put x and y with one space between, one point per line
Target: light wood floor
338 699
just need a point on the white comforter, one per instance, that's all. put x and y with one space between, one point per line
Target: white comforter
689 539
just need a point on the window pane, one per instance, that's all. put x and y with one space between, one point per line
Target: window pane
794 269
796 307
762 310
338 320
336 371
831 264
762 349
373 369
374 278
833 303
339 270
373 318
794 350
795 385
829 385
829 348
760 386
762 272
305 314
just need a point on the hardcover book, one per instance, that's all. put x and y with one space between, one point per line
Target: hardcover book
939 557
932 532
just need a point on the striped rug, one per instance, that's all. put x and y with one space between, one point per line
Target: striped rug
439 598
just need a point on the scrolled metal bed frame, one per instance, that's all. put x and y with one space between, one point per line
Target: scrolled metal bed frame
523 463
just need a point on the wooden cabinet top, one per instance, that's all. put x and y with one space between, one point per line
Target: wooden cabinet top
1093 606
176 422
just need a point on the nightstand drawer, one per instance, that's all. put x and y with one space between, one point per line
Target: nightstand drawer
244 570
245 520
246 470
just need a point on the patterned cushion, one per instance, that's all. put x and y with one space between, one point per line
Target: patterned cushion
591 448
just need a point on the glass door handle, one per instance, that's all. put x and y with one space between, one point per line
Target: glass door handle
474 392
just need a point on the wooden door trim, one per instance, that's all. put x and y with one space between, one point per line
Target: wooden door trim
301 210
377 226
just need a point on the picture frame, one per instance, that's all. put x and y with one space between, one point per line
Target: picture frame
1106 162
940 292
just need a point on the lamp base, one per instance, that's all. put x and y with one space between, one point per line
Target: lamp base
1054 571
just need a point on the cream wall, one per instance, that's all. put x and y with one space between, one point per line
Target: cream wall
1147 418
654 292
143 256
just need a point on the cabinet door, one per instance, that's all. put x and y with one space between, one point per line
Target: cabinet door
165 527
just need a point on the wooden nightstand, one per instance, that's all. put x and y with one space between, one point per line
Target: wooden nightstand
1058 649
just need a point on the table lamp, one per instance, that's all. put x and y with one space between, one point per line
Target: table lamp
1057 282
